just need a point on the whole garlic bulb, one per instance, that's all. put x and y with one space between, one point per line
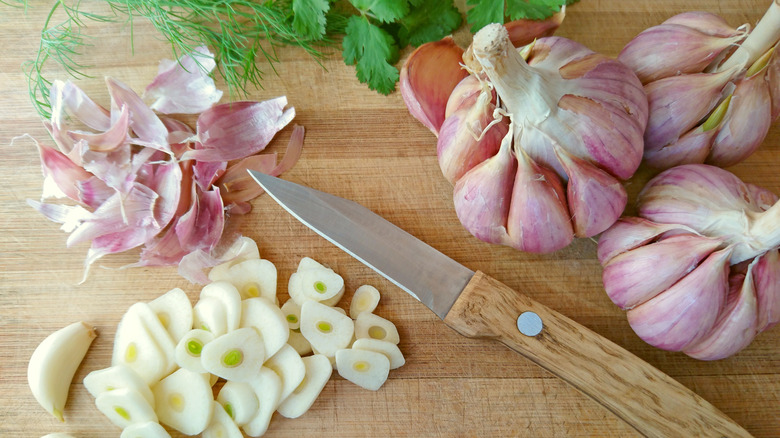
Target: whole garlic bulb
709 103
576 124
699 270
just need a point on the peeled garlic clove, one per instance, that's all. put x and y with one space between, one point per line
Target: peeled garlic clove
482 196
746 123
684 314
671 49
428 77
766 277
468 137
628 233
735 327
538 219
635 276
677 104
596 199
524 31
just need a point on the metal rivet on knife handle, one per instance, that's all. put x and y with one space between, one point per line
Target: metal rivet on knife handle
529 324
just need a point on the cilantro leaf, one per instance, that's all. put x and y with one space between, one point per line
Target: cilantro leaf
372 50
428 21
385 11
309 17
484 12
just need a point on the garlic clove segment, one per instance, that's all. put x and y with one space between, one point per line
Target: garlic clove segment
596 198
686 312
538 219
735 327
678 47
525 31
469 136
635 276
427 78
630 232
766 277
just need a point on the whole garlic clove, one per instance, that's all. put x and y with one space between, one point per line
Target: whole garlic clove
523 31
465 94
630 232
693 147
687 311
596 199
677 104
707 23
483 195
675 48
766 277
746 122
735 327
635 276
538 218
468 137
427 79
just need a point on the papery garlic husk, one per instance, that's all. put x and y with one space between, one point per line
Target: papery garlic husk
735 327
578 119
686 312
469 136
427 79
714 90
716 211
685 43
633 277
483 195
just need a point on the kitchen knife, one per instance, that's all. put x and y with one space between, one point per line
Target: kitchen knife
478 306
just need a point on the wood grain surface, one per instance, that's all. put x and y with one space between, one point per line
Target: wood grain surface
366 147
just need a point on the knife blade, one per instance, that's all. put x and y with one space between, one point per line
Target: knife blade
479 306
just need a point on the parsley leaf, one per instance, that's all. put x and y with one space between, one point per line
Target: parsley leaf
385 11
309 17
428 21
373 51
484 12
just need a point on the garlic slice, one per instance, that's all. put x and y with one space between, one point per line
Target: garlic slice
116 377
371 326
210 314
174 310
184 401
326 329
239 401
125 406
143 344
268 388
365 299
288 365
230 298
189 349
389 349
252 278
149 429
318 372
222 425
365 368
292 312
237 355
268 319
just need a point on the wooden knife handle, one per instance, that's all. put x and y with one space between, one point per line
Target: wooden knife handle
647 399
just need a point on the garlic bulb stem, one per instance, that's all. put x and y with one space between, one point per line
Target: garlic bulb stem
764 36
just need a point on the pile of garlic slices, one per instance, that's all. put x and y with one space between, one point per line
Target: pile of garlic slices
169 355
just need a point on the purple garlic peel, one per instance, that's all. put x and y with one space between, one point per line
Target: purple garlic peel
713 90
711 243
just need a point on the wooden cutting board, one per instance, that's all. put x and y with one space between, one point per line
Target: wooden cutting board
366 147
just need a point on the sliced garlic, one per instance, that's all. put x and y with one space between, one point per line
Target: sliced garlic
143 344
268 319
268 388
125 406
116 377
318 372
222 425
252 278
320 284
389 349
297 290
237 355
369 325
239 401
231 301
149 429
189 349
210 314
365 368
326 329
365 299
243 249
292 312
174 310
288 365
183 401
299 342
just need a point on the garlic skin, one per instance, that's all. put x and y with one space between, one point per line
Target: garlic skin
524 31
427 78
577 119
699 270
714 90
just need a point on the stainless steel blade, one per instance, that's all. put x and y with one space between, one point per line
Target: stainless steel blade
422 271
